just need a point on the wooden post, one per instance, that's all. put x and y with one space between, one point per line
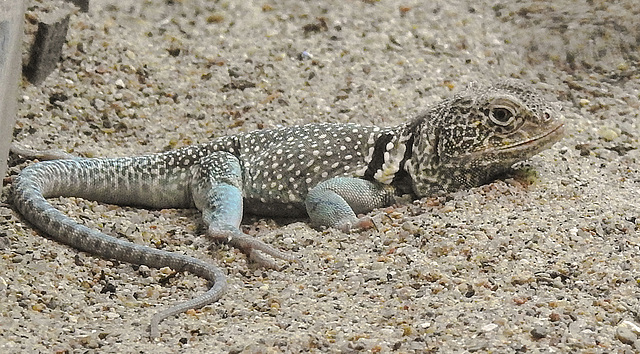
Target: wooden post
11 32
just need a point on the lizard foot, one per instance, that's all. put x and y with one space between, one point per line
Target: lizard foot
252 247
363 223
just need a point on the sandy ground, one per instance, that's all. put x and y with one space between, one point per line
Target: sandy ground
545 261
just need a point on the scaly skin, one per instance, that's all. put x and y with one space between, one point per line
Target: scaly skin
332 172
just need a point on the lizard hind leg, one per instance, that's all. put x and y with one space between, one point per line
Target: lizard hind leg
217 192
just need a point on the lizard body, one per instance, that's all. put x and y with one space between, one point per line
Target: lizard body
332 172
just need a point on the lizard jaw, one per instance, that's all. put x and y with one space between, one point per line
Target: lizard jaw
550 136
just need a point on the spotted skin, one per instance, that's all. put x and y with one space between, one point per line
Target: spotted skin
332 172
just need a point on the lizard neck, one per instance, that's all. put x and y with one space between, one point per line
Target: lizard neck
424 161
391 150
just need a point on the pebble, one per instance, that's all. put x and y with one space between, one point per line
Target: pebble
625 335
608 134
539 332
4 243
410 227
489 327
448 208
632 326
99 104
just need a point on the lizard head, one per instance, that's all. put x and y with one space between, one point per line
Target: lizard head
478 134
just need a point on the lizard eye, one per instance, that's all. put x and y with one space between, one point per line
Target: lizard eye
501 116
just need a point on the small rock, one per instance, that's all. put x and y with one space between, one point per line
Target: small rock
489 327
78 260
448 208
625 335
539 332
144 271
410 227
108 288
524 277
632 326
99 104
82 4
89 342
38 307
5 244
3 285
425 325
112 315
466 290
477 345
607 133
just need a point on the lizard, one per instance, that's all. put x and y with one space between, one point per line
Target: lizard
331 172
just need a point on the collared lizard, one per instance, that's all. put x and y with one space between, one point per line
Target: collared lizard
331 172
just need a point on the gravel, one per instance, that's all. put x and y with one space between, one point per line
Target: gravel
544 260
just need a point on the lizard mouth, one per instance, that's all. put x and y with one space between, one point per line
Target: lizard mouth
522 149
550 136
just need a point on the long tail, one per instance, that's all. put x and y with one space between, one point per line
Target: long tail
43 179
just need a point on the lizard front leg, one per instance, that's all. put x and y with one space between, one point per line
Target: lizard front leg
216 189
336 202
